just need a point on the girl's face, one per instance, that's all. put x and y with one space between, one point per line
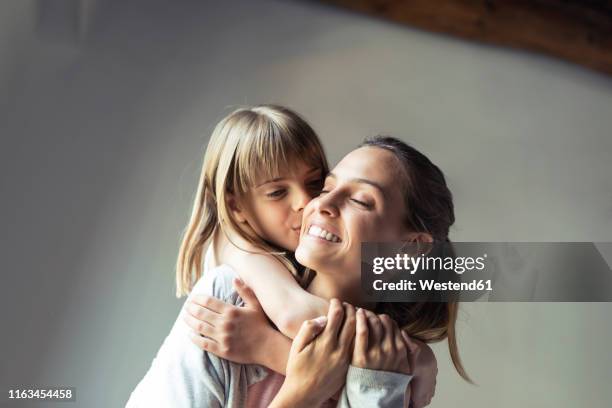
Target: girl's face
274 208
362 200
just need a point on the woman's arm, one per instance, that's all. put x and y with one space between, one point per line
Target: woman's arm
316 369
380 370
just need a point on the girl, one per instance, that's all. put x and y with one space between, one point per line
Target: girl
261 167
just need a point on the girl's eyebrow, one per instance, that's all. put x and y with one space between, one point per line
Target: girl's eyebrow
310 171
270 181
362 181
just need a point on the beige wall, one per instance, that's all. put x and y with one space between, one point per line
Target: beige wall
104 134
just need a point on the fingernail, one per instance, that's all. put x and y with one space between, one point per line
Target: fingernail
321 320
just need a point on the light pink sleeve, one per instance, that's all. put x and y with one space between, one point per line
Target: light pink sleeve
425 370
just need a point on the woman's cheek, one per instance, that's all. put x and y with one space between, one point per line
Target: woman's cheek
365 229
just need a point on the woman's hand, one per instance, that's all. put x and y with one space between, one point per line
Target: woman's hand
319 358
238 334
380 344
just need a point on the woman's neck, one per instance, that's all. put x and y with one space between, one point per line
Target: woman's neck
328 286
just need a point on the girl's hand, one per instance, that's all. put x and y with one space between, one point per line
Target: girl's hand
238 334
379 344
319 358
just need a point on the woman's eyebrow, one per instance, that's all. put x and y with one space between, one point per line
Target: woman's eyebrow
360 180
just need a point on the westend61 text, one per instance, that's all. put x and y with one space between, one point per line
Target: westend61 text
429 285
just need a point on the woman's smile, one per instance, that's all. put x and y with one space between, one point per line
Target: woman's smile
323 232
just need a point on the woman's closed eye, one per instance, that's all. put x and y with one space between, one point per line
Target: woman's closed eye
315 186
366 205
363 204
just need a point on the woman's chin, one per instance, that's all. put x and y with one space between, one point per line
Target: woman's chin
313 254
307 257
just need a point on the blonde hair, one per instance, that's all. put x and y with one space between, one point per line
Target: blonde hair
247 145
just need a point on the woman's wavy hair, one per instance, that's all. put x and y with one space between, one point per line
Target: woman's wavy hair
430 209
247 145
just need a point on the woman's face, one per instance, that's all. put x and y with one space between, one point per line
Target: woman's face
362 200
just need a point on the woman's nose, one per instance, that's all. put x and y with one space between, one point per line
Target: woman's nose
326 204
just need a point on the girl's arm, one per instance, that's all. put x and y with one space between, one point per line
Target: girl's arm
239 334
283 300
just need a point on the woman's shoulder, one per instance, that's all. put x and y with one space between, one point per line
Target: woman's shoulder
218 282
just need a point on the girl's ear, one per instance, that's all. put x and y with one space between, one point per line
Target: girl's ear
235 208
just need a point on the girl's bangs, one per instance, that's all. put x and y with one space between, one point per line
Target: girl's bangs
272 153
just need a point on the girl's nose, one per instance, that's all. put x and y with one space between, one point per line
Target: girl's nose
300 200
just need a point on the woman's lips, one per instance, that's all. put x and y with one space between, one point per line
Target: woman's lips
319 232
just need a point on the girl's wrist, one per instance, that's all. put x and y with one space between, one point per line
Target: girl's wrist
276 351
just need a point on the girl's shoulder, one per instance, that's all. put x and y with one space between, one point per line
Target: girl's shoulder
240 254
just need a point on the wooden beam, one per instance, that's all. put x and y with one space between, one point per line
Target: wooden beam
575 30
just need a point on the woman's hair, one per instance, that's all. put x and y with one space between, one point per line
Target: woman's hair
430 209
248 145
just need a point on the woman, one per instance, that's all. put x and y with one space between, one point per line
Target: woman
361 199
360 202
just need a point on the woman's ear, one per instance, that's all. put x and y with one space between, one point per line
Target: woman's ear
420 243
235 208
419 237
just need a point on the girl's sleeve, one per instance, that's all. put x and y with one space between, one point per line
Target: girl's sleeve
374 388
183 375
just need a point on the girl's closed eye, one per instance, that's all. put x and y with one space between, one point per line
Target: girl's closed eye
277 193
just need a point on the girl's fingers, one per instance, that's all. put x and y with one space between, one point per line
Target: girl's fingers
335 315
361 336
198 326
308 331
202 313
246 293
375 326
347 333
211 303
